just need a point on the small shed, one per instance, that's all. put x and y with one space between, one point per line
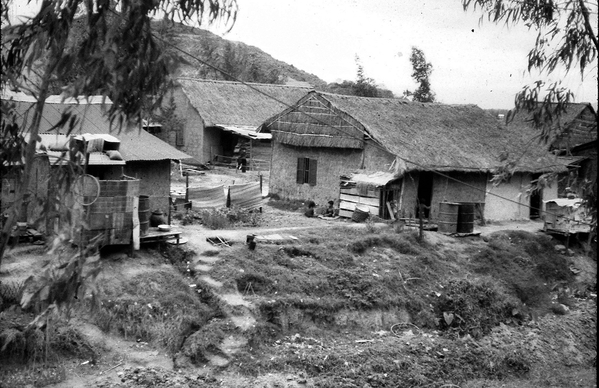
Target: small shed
566 216
377 192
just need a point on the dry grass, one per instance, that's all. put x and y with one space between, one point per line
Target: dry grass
156 305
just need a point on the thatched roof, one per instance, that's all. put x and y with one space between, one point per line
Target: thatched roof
434 136
136 144
223 103
574 127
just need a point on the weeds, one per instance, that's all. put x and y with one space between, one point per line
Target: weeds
473 306
370 226
159 307
229 217
292 205
10 294
27 345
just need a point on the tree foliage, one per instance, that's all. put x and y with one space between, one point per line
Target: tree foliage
363 86
566 40
115 54
422 71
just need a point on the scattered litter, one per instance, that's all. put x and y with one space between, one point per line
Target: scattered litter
363 341
181 241
219 241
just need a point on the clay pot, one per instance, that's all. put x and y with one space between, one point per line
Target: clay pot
157 218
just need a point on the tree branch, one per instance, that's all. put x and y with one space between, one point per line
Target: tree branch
587 23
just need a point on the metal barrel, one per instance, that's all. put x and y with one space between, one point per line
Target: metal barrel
466 218
144 214
448 217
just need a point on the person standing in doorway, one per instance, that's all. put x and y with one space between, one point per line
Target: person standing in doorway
242 161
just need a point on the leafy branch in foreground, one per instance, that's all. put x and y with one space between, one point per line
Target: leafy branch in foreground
566 40
118 55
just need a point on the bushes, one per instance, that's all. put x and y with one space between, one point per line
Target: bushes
10 294
58 337
404 243
254 282
473 306
157 307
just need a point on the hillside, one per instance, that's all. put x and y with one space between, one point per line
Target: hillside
339 304
246 62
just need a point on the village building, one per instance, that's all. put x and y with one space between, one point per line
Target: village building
125 162
219 118
574 140
403 154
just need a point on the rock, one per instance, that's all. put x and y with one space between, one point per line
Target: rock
559 309
560 248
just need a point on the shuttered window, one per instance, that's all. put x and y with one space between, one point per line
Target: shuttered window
306 171
180 139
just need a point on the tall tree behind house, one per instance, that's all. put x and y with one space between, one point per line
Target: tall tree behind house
422 71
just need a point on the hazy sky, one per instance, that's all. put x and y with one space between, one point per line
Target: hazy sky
473 63
480 64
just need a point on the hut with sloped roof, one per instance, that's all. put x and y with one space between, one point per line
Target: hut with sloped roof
573 137
436 152
221 117
111 154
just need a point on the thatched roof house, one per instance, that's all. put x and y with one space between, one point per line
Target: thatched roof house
221 116
573 136
324 136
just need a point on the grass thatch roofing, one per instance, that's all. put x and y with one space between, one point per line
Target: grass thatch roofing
574 127
223 103
436 136
136 144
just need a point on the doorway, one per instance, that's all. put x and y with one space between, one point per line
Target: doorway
536 198
425 193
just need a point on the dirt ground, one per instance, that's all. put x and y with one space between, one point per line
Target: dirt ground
551 340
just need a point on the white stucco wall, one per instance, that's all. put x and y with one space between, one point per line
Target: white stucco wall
500 209
549 193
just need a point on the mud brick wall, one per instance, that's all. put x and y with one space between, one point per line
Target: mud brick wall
155 181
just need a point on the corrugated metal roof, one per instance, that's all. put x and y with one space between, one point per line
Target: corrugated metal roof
136 144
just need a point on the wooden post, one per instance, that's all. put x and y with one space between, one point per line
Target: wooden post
420 215
186 187
260 183
136 227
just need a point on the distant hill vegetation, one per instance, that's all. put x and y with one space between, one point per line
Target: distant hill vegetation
239 60
249 64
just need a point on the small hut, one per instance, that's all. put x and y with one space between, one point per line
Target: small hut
377 192
222 117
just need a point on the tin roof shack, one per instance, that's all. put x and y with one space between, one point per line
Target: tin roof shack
377 193
142 155
221 117
441 152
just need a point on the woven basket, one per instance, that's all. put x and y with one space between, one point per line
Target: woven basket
359 215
